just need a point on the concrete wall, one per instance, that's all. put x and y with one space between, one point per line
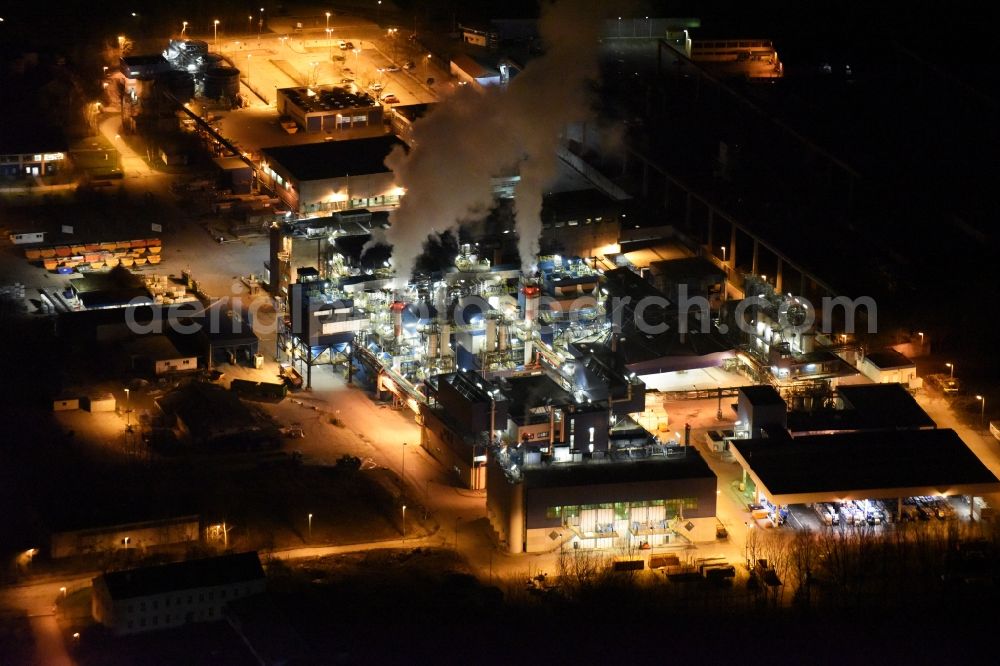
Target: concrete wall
112 537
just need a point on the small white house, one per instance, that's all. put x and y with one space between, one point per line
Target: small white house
888 366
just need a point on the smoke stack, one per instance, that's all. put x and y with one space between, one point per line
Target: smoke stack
532 297
397 320
448 173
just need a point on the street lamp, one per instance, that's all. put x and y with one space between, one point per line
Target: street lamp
248 68
951 366
215 27
649 26
723 248
184 27
982 410
260 25
379 17
249 23
921 339
328 20
329 40
404 521
310 527
128 411
402 472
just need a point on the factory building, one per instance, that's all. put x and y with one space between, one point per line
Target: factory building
460 414
328 108
642 496
869 459
332 176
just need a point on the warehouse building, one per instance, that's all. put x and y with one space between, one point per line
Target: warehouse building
878 447
333 175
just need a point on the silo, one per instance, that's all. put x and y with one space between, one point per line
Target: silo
181 85
222 83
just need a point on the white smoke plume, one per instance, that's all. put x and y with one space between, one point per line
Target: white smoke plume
472 137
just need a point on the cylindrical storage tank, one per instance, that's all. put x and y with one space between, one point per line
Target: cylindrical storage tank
222 83
212 60
181 85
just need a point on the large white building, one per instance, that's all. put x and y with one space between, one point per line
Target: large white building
334 175
170 595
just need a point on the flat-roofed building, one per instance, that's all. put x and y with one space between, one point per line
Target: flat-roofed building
171 595
888 366
333 175
329 108
612 501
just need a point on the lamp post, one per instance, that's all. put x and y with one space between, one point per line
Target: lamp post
921 339
225 535
427 66
329 41
260 25
649 27
184 27
128 411
379 17
746 544
249 23
310 527
982 410
951 367
215 27
404 521
328 20
402 471
248 68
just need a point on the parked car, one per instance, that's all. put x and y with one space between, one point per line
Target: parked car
347 71
390 99
376 86
409 65
342 44
350 45
392 68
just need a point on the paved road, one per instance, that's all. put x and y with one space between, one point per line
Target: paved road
37 600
